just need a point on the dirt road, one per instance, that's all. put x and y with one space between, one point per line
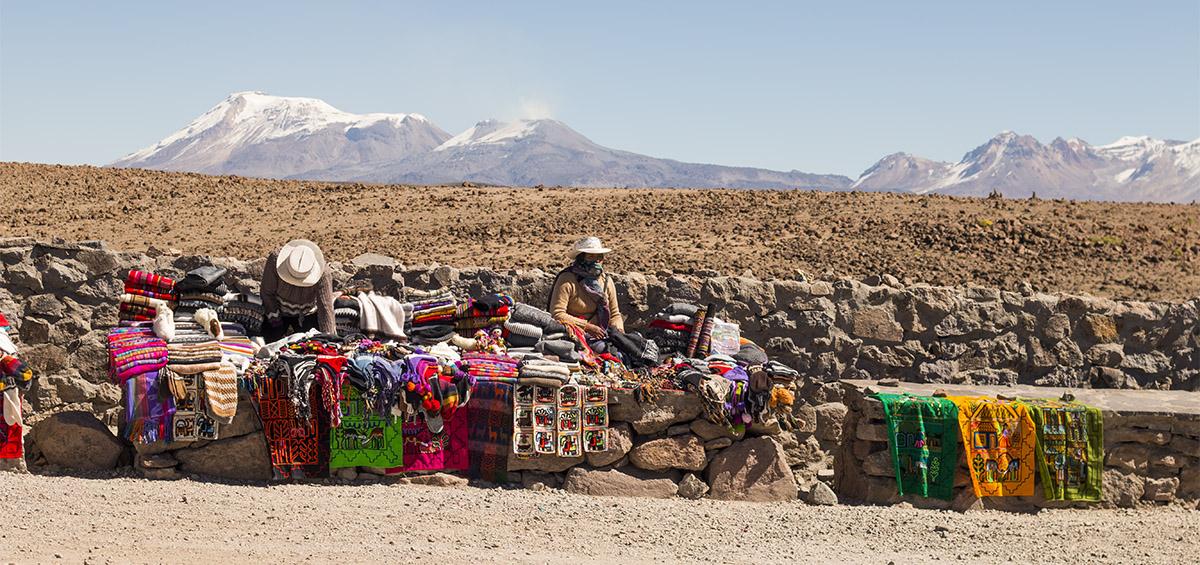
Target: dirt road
120 520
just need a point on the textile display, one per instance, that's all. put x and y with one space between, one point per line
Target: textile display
149 409
425 450
563 421
489 430
998 439
1070 449
298 448
923 439
364 438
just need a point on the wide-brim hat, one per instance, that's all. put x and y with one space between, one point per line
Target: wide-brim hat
300 263
589 245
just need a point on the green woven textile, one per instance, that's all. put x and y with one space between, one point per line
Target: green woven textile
923 438
1070 449
364 439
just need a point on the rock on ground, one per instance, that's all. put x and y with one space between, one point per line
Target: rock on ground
754 469
616 483
77 440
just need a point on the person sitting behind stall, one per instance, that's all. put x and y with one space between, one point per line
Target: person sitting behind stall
584 296
297 291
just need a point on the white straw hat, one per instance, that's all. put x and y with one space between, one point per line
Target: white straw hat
589 245
300 263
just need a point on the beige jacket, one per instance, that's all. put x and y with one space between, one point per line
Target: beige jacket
571 304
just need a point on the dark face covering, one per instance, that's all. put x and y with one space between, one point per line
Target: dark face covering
589 274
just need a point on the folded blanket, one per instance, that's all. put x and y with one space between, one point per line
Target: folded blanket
526 314
381 314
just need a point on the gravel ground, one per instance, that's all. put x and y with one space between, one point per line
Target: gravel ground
1142 251
119 520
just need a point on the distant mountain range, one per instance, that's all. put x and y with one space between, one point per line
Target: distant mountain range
255 134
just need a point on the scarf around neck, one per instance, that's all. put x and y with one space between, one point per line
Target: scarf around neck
590 275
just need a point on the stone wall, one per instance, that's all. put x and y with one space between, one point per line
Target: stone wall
1151 448
62 299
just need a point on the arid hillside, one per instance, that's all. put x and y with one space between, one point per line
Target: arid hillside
1145 251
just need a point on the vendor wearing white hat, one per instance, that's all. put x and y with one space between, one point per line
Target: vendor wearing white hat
583 295
297 291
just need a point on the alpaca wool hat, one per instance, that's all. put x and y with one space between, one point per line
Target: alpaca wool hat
589 245
300 263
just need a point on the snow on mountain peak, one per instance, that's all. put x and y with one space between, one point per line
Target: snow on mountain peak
492 131
253 116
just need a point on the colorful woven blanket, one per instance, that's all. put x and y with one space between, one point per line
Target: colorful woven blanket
149 409
298 448
364 438
1070 449
923 438
998 437
489 430
427 451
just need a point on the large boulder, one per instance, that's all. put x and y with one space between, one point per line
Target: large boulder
679 452
754 469
670 407
616 483
620 441
876 324
243 458
77 440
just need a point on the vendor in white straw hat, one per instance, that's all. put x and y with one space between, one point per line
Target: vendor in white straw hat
297 291
583 295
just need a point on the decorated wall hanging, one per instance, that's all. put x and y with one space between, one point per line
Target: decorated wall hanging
998 439
565 421
364 438
923 439
1070 449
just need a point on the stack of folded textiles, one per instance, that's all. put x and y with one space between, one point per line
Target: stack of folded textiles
483 312
525 314
672 327
236 348
490 367
520 334
194 347
244 309
346 315
432 319
534 368
134 350
201 288
141 290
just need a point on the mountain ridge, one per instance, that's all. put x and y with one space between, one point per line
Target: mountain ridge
255 134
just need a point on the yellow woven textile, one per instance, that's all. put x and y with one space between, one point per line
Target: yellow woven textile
998 440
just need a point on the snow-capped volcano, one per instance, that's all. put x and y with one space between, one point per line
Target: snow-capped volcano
256 134
1129 169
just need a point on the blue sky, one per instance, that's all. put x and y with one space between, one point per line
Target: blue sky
785 85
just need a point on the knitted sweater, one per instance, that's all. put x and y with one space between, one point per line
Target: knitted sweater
275 292
570 304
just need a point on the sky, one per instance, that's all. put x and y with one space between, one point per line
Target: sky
822 87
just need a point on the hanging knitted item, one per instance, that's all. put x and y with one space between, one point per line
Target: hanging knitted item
1070 449
11 442
330 375
923 438
221 391
998 437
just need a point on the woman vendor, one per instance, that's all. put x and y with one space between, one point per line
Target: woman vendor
585 297
297 291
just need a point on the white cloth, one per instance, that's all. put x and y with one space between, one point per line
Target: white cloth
6 344
379 314
12 407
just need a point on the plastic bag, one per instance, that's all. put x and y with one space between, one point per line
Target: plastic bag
726 338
